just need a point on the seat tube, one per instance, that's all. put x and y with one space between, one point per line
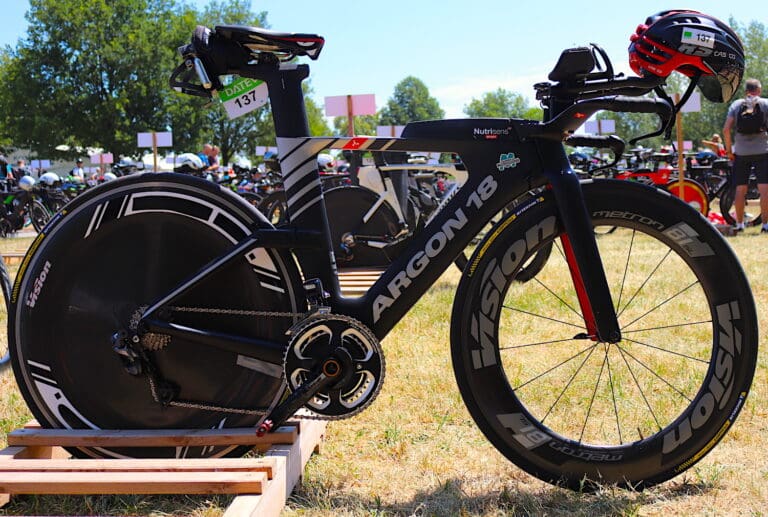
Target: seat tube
588 267
303 188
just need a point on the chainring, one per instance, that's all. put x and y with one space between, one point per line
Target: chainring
317 337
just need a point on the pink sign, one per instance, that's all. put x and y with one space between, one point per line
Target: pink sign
338 106
102 158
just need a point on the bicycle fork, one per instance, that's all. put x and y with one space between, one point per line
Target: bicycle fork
581 251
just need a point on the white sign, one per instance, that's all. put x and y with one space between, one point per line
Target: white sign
164 139
338 106
102 158
40 164
600 127
393 131
243 95
693 104
262 150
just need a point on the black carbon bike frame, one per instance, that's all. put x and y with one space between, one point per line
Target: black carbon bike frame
505 158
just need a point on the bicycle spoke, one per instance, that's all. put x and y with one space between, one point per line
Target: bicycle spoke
664 327
626 269
594 394
568 384
580 327
613 397
640 389
648 278
638 361
648 345
542 374
659 305
557 296
552 342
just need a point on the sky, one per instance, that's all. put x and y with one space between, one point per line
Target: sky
460 49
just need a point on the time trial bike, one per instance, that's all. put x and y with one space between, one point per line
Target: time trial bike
193 311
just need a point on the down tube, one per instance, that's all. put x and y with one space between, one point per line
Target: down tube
434 248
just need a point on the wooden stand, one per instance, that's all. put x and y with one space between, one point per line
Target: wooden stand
11 258
35 463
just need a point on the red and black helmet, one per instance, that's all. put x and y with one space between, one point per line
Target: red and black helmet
691 43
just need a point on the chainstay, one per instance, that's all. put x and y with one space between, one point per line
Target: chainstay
307 413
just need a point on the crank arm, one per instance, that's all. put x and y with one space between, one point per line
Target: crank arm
331 371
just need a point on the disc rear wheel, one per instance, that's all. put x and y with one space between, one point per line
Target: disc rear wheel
117 250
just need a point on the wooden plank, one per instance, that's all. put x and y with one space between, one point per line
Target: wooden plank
13 257
36 452
266 465
133 483
288 450
149 438
288 471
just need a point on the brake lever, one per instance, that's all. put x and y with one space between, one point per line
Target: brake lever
666 123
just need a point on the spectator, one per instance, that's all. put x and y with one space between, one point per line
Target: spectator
20 170
749 149
205 154
5 167
716 145
213 160
78 173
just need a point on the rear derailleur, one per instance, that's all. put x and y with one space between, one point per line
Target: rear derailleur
137 361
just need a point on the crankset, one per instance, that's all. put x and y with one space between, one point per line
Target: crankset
317 342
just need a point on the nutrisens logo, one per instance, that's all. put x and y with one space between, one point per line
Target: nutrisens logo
490 133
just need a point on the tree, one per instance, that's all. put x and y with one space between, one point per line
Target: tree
92 73
410 102
257 128
364 125
502 103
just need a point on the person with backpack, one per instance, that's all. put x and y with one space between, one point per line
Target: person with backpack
749 118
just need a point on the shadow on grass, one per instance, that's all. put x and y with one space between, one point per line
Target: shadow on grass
134 505
450 499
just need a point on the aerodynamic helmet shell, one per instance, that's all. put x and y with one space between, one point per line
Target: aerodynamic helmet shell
689 42
50 178
26 182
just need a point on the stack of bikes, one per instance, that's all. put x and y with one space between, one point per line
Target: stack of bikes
624 361
707 177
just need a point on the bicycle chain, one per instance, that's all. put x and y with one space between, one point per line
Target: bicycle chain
307 414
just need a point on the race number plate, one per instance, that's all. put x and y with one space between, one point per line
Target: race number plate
243 95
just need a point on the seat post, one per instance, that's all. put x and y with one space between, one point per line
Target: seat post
287 99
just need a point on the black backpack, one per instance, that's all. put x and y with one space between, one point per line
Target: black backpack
748 121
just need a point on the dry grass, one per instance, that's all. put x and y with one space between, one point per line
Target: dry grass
416 451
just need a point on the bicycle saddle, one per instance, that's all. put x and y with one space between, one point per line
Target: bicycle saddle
286 44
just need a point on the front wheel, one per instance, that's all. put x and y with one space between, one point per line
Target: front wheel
575 411
692 192
39 215
5 284
727 199
97 267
